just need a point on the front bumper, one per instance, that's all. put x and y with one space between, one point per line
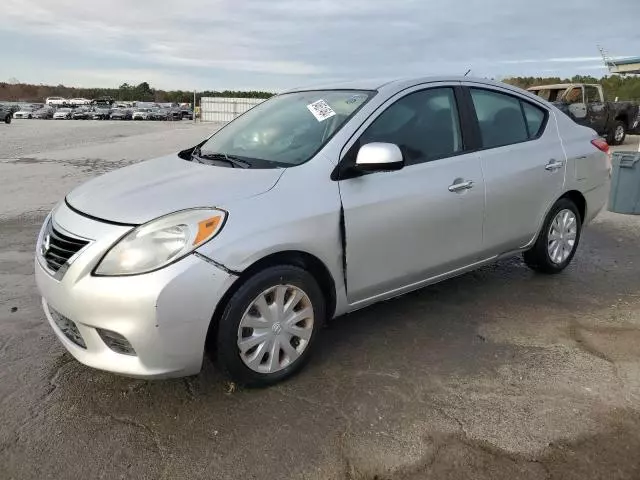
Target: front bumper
164 315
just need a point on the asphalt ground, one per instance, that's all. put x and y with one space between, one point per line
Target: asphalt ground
498 374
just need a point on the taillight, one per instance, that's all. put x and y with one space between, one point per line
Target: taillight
600 145
603 147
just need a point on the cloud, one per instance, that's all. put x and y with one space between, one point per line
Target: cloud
281 43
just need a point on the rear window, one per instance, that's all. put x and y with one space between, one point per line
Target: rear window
504 119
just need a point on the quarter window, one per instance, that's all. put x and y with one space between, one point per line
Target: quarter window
424 124
534 117
504 119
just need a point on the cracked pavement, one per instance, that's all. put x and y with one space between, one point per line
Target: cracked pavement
498 374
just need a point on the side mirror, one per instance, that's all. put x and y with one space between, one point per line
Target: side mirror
379 157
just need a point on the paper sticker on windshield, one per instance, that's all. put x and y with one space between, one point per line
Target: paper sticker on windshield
321 110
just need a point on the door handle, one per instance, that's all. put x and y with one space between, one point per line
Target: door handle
459 187
553 165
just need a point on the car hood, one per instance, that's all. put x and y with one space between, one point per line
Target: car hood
147 190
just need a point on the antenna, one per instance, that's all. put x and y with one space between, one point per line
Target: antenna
467 72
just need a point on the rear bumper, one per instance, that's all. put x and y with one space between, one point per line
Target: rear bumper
596 199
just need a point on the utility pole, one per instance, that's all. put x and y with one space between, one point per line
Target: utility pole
194 107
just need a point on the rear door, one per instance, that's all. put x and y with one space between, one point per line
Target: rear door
523 164
405 226
596 109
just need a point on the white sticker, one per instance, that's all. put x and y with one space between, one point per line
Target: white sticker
321 110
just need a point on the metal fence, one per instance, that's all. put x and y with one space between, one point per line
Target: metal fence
223 109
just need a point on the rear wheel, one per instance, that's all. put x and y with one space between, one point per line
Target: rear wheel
558 240
269 327
618 133
7 119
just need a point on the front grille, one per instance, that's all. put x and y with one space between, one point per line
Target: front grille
57 247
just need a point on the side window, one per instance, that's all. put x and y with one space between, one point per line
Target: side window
535 118
592 94
574 95
424 124
500 118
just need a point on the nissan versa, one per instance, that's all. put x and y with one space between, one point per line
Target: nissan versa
313 204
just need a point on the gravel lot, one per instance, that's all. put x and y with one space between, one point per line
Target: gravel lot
498 374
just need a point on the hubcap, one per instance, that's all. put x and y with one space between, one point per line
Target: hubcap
561 239
275 329
619 133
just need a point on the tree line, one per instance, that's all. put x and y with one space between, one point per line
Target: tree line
615 86
24 92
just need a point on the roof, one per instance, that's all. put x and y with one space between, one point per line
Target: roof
397 84
550 87
558 86
623 61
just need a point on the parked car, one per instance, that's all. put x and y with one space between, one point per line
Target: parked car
56 101
63 114
223 248
174 113
6 112
26 111
160 114
142 113
101 113
82 113
76 102
103 101
187 113
44 113
585 104
121 114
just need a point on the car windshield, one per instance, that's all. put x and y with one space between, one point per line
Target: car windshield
286 130
64 110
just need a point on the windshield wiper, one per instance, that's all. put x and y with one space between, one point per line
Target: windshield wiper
223 157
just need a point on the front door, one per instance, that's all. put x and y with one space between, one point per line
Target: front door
596 109
406 226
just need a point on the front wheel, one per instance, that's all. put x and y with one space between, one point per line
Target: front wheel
7 119
558 240
269 327
618 133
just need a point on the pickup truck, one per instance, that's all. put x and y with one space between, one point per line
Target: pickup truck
585 104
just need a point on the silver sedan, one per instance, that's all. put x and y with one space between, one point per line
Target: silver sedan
311 205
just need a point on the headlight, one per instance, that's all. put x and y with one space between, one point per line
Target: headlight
161 241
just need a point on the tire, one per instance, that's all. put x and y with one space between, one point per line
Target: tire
539 257
7 119
617 134
241 309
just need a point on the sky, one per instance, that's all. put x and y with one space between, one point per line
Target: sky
279 44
